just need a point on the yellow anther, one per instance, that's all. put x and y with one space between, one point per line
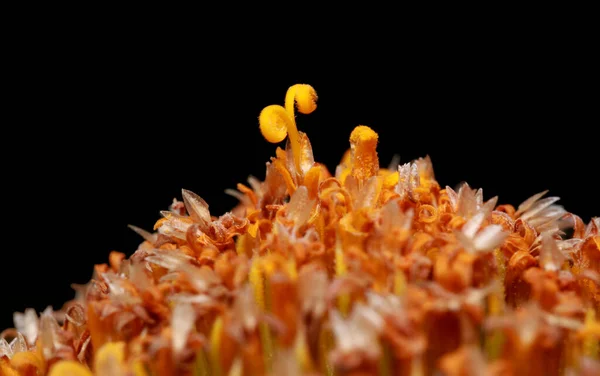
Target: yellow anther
277 122
365 162
304 96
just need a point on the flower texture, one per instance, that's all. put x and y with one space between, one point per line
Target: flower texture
368 271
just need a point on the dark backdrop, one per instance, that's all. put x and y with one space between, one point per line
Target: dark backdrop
102 140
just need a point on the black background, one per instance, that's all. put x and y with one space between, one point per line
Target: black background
106 136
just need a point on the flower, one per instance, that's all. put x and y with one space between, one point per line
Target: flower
369 270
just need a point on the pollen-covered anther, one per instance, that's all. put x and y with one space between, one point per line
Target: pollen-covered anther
277 122
365 162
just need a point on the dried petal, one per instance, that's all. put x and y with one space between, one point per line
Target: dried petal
27 323
197 208
182 323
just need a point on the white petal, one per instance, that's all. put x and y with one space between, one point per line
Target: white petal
550 214
538 207
5 349
182 321
196 207
453 197
18 344
530 201
551 258
143 233
472 226
490 238
300 206
28 324
394 163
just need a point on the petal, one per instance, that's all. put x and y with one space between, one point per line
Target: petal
196 207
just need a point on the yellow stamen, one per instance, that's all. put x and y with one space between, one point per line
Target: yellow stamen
216 335
266 339
305 98
340 270
326 344
399 283
258 284
311 181
240 243
257 280
494 341
501 263
201 367
277 122
365 162
592 337
302 353
385 363
69 368
274 123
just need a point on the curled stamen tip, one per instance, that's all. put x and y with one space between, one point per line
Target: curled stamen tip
363 134
273 121
306 98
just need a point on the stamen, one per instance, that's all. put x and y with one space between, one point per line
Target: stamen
385 363
365 162
216 335
326 344
591 341
302 353
258 283
277 122
201 367
340 270
399 283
